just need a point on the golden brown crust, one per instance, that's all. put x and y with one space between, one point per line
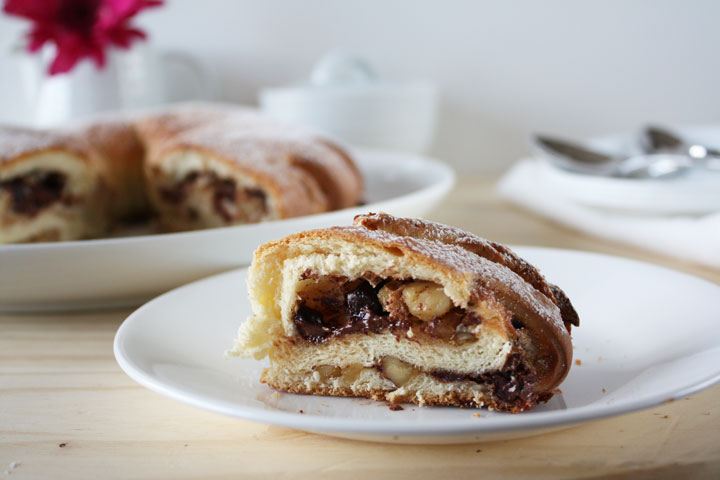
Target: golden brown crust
354 196
304 174
157 128
118 145
479 246
447 399
569 315
494 252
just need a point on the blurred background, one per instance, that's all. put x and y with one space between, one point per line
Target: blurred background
502 69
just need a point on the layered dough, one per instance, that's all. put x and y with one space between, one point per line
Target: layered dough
192 166
404 310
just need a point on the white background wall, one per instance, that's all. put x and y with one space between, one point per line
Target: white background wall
504 69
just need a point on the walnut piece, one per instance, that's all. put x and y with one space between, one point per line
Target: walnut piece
397 371
426 300
327 371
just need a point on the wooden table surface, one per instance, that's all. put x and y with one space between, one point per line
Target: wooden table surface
68 411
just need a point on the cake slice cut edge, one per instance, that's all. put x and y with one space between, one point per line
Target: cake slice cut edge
402 315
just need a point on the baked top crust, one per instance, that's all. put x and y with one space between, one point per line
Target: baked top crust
500 254
476 274
17 143
264 149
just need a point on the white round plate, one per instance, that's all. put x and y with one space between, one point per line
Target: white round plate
131 270
647 335
695 193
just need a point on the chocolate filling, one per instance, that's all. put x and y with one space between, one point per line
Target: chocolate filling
231 203
336 306
333 305
351 307
34 192
179 192
224 192
513 386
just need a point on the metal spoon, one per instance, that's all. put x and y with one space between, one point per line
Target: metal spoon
655 139
576 158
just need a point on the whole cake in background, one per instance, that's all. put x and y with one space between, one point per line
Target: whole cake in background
406 310
192 166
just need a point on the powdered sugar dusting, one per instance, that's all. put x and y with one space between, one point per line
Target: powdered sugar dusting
246 137
15 141
454 236
274 150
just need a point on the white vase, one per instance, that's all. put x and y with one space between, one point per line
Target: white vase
130 80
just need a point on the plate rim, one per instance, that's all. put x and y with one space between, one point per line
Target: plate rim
314 423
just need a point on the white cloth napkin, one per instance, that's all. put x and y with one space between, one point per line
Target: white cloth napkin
693 238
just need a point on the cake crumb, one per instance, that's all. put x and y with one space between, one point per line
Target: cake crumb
301 411
477 415
603 390
275 395
395 407
323 404
599 358
478 450
62 445
578 361
666 416
12 466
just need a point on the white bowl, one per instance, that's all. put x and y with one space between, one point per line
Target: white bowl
379 115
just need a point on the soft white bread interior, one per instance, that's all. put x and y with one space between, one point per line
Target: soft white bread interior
196 189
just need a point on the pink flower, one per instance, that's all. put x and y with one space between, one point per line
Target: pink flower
79 28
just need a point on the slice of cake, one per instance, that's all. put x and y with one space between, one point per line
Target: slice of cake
406 310
51 186
219 167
